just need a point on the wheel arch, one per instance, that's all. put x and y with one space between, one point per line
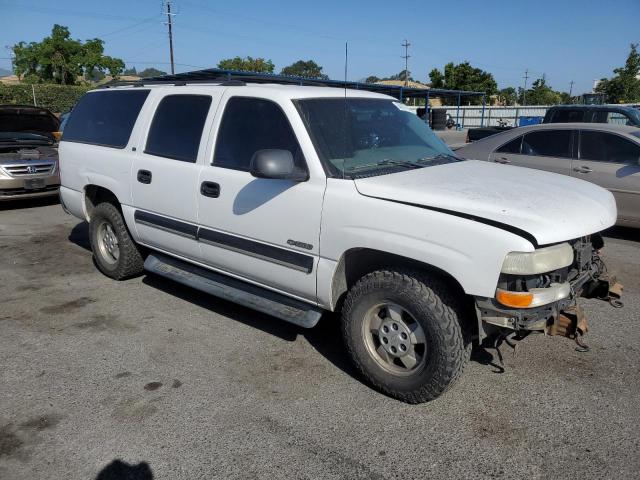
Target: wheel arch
357 262
95 194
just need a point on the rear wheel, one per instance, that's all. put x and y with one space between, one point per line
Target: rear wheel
114 251
403 334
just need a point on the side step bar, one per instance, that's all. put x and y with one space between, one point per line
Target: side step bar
237 291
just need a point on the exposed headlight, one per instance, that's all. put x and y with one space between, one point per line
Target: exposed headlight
541 260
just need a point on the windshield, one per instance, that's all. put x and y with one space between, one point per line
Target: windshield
357 137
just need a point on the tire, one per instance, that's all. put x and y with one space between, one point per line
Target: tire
423 302
114 251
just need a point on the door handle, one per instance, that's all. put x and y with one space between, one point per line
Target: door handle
502 160
144 176
210 189
583 169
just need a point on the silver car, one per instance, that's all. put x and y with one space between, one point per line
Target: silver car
608 155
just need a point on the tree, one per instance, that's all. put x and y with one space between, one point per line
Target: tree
151 72
508 96
464 77
539 94
308 69
61 59
247 64
130 71
624 87
371 79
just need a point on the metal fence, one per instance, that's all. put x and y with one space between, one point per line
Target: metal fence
473 116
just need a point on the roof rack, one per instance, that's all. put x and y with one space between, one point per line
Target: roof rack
239 78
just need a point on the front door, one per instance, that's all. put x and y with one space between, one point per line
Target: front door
543 149
165 174
611 161
265 231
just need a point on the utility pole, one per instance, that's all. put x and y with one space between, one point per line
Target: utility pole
570 88
169 24
406 56
524 92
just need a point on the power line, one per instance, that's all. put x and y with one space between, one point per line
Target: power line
406 56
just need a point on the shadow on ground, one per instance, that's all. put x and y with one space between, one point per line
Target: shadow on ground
622 233
29 203
119 470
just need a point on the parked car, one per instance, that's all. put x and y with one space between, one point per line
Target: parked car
296 200
28 157
614 114
605 154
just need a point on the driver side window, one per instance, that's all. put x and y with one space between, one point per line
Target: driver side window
252 124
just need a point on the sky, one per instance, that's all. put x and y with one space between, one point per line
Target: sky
565 40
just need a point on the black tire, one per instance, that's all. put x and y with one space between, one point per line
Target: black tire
430 303
129 261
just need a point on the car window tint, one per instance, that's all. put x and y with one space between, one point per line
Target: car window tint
177 127
105 118
511 147
252 124
568 116
607 147
550 143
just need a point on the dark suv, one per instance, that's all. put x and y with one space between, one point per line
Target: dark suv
614 114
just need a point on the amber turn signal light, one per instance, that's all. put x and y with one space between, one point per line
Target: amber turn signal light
514 299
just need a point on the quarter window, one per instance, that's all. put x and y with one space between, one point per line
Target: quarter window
607 147
548 143
252 124
177 127
511 147
105 118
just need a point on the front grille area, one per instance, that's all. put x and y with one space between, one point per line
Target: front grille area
35 168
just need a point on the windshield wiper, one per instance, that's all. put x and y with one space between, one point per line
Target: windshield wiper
387 161
440 156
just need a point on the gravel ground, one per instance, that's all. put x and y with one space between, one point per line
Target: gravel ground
146 379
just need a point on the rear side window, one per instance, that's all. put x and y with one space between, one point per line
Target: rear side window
511 147
548 143
105 118
249 125
568 116
177 126
607 147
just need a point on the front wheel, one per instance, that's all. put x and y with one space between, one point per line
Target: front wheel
114 251
402 331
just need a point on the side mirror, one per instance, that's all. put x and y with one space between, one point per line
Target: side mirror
276 164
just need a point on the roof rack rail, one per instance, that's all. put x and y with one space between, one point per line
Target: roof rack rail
239 78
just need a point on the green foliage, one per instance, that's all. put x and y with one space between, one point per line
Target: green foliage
508 96
540 94
624 87
247 64
464 77
130 71
372 79
308 69
57 98
151 72
61 59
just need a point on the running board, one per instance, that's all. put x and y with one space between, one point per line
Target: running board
245 294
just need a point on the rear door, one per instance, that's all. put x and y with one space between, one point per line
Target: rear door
166 170
611 161
540 149
263 230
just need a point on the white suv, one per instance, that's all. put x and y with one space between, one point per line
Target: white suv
296 200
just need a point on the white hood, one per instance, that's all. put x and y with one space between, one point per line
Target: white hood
551 207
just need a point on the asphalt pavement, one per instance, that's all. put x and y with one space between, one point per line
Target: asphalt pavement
146 379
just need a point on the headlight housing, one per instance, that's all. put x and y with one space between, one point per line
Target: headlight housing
541 260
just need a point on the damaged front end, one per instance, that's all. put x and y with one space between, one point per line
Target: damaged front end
529 299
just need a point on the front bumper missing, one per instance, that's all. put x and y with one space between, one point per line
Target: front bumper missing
563 317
